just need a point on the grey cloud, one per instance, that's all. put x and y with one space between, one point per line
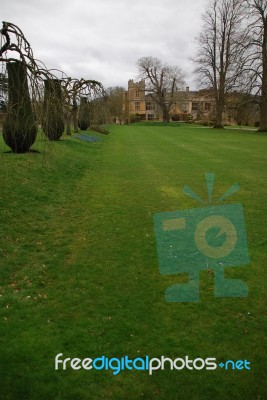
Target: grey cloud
102 39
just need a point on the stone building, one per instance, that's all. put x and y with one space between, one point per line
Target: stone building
188 105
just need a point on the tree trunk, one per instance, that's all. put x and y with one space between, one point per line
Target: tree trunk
219 111
19 130
68 130
263 111
165 113
218 118
263 102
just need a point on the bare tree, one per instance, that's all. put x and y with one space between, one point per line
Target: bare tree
221 56
257 61
73 91
162 82
26 76
115 102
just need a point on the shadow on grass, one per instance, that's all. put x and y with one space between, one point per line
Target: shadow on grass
27 152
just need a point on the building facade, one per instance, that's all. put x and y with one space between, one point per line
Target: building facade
188 105
138 105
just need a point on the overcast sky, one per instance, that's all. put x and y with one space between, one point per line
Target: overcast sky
103 39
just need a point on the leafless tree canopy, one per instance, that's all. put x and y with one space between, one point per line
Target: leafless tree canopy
222 54
162 82
115 100
16 47
257 59
73 91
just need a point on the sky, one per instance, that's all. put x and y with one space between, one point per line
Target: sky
103 39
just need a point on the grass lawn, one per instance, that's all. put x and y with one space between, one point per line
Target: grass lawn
79 271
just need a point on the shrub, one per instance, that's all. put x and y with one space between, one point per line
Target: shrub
205 123
53 123
19 128
84 114
135 118
99 129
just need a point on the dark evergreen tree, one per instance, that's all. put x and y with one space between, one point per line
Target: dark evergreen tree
84 114
19 129
53 122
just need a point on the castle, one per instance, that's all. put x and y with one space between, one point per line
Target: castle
188 105
138 105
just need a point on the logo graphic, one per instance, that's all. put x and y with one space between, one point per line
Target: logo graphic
211 237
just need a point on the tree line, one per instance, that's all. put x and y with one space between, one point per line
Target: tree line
231 57
31 95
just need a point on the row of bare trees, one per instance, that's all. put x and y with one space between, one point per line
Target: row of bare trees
231 58
232 52
37 95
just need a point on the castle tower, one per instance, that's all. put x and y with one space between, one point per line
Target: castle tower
136 98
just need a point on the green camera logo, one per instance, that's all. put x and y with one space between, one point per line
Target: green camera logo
212 237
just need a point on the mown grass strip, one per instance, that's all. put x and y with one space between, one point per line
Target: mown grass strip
79 272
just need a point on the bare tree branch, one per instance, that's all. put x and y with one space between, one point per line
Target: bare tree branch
221 52
162 82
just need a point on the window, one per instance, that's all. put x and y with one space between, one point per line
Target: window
150 105
207 106
137 94
195 106
184 107
137 106
150 117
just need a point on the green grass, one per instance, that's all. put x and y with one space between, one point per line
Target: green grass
79 272
157 124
